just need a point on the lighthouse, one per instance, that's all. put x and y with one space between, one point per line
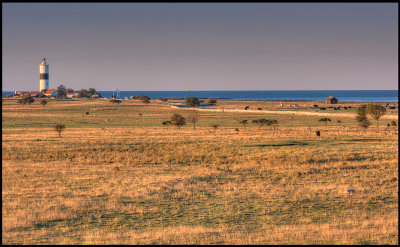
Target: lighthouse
44 75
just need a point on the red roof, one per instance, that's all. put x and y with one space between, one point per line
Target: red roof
49 91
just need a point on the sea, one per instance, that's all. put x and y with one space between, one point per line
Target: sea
275 95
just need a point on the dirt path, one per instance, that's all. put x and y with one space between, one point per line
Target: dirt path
321 114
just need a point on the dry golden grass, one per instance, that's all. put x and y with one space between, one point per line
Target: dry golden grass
131 181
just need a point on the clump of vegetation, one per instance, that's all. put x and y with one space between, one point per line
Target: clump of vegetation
193 118
43 102
318 133
59 128
144 99
394 123
212 101
376 111
178 120
26 99
192 102
325 120
115 101
361 113
61 92
166 123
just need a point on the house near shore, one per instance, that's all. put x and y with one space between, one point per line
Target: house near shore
331 100
51 93
72 94
21 93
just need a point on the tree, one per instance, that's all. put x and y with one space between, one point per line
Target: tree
26 99
69 90
394 123
83 93
361 113
325 120
193 117
376 111
43 102
192 102
59 128
144 99
244 122
92 91
61 91
178 120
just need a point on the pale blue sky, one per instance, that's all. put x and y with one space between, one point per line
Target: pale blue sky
201 46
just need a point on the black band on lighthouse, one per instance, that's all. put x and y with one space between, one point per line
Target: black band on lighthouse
44 76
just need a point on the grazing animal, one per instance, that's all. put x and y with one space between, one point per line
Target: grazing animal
318 133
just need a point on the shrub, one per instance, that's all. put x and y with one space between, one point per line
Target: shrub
26 99
178 120
318 133
192 102
325 120
144 99
166 123
394 123
215 126
59 128
43 102
115 101
212 101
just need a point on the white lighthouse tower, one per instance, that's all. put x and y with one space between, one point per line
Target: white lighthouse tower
44 75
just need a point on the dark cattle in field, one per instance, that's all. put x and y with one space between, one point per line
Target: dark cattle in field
247 107
259 109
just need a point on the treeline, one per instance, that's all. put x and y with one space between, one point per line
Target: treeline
62 92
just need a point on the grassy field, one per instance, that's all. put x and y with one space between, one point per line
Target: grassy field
117 176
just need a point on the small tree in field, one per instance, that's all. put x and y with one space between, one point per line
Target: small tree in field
325 120
192 102
376 111
59 128
178 120
193 118
144 99
166 123
43 102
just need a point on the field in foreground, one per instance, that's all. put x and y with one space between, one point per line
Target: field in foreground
117 176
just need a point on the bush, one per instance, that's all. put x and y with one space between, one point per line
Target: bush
361 113
325 120
193 117
43 102
26 99
192 102
178 120
394 123
144 99
212 101
244 122
166 123
115 101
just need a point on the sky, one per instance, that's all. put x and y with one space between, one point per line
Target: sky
201 46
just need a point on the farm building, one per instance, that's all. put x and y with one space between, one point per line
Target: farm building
51 93
331 100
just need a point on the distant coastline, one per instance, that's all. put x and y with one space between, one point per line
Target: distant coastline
270 95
